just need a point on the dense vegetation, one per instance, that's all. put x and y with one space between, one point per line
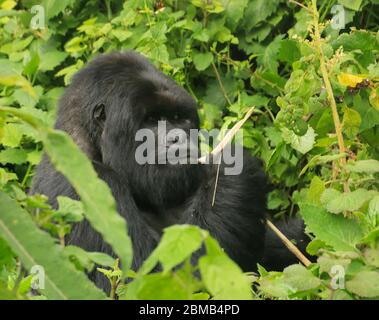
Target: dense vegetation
314 84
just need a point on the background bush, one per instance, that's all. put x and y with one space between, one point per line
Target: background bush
315 88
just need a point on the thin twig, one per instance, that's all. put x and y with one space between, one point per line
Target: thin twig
220 84
228 137
216 181
291 247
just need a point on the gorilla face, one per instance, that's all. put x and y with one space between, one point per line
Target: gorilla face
134 98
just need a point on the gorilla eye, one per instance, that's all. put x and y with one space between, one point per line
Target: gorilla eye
99 112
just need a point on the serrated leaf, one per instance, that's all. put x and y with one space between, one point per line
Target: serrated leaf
51 59
181 239
202 60
347 201
364 284
366 166
303 143
15 156
335 230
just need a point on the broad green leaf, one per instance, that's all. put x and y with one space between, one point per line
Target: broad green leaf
157 286
15 156
335 230
71 209
300 278
51 59
289 51
351 4
351 122
303 143
181 239
259 10
89 259
16 45
54 7
202 60
6 176
35 247
364 284
295 278
315 191
99 205
347 201
222 277
234 9
11 135
11 78
367 166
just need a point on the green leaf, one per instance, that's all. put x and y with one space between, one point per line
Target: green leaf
51 59
373 211
300 278
202 60
347 201
366 166
54 7
72 209
336 231
351 4
15 156
16 45
351 122
234 9
222 277
289 51
88 259
258 11
303 143
11 135
364 284
157 287
295 278
35 247
181 239
315 191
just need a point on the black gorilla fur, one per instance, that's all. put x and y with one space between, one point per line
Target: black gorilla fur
107 102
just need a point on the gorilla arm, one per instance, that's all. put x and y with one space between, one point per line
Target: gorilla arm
52 184
237 219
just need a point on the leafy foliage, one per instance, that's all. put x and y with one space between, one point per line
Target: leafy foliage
315 89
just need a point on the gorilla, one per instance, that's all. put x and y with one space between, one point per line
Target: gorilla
108 101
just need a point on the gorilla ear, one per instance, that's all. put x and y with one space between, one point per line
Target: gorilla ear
99 113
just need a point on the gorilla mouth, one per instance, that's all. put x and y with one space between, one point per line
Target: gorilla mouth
186 156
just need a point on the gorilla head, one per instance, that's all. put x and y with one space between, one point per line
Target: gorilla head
114 97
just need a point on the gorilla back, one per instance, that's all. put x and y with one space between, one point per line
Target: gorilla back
107 103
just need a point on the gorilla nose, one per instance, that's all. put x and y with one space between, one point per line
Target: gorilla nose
172 140
176 137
